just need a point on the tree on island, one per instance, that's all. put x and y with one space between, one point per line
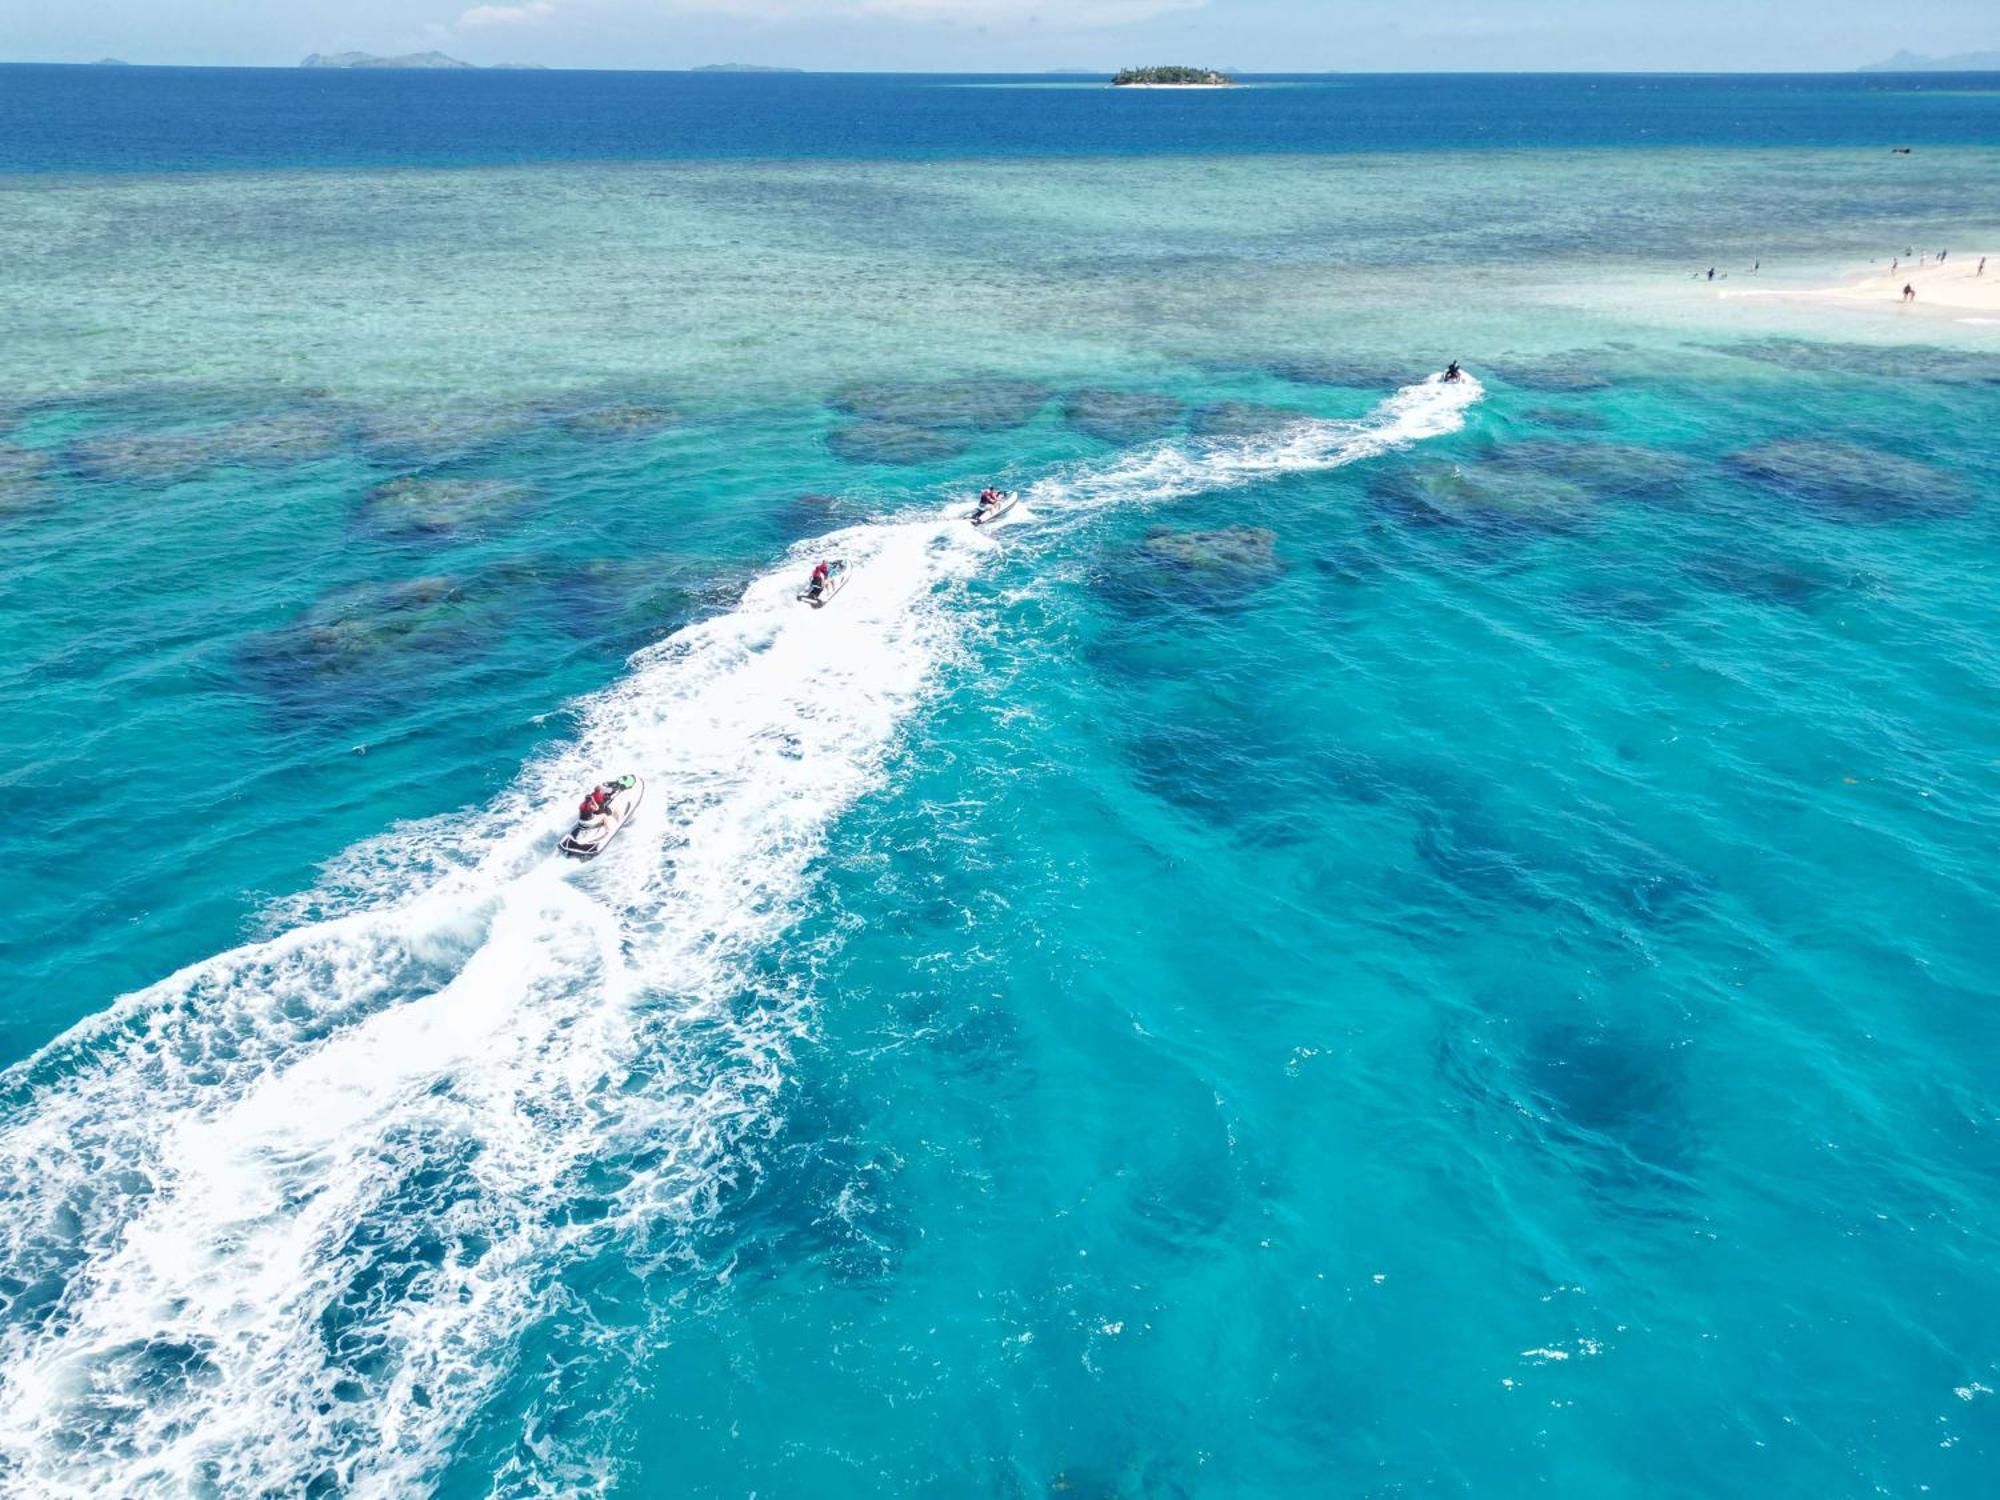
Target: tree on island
1183 76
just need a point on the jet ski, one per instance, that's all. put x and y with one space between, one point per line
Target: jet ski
818 594
588 838
984 513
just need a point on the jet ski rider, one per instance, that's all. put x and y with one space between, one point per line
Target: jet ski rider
1453 372
988 498
821 575
596 804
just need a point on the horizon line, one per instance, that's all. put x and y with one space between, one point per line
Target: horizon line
787 69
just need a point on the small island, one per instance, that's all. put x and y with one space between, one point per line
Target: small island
1172 78
421 61
373 60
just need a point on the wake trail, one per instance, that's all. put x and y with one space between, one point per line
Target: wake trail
281 1218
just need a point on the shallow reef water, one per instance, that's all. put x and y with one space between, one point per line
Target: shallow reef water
1371 937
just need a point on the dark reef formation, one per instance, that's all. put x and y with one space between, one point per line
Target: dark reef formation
21 474
1611 470
1205 570
1853 483
621 421
1121 416
905 424
895 443
1482 496
421 436
1348 374
431 508
976 405
1237 420
1566 418
1889 361
364 645
1577 370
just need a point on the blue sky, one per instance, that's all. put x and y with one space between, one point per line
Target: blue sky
1026 35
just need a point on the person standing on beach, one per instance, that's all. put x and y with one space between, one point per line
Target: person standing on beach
1711 273
1909 292
1982 267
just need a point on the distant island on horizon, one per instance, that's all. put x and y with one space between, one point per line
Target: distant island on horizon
1172 78
1912 62
432 61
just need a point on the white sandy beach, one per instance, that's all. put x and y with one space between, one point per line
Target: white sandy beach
1954 288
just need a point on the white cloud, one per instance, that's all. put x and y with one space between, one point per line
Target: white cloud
529 12
1063 14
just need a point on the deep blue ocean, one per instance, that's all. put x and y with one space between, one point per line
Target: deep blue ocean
1375 937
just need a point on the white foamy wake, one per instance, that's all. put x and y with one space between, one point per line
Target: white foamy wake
281 1218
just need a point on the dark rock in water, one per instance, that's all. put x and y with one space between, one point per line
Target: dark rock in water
353 633
417 508
621 421
954 405
1245 551
1222 779
1205 570
21 471
1623 470
1180 1192
1488 497
146 457
1633 880
1603 1103
1570 419
171 456
1242 419
623 601
1349 374
1889 361
1630 603
1121 416
1851 482
440 434
810 514
287 437
1578 370
1764 582
874 442
1465 847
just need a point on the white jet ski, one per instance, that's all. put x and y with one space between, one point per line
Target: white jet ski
982 514
588 838
819 594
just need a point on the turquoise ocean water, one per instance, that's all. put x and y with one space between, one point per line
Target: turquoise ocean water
1375 938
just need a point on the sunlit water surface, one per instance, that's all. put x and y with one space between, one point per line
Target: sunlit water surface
1374 937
